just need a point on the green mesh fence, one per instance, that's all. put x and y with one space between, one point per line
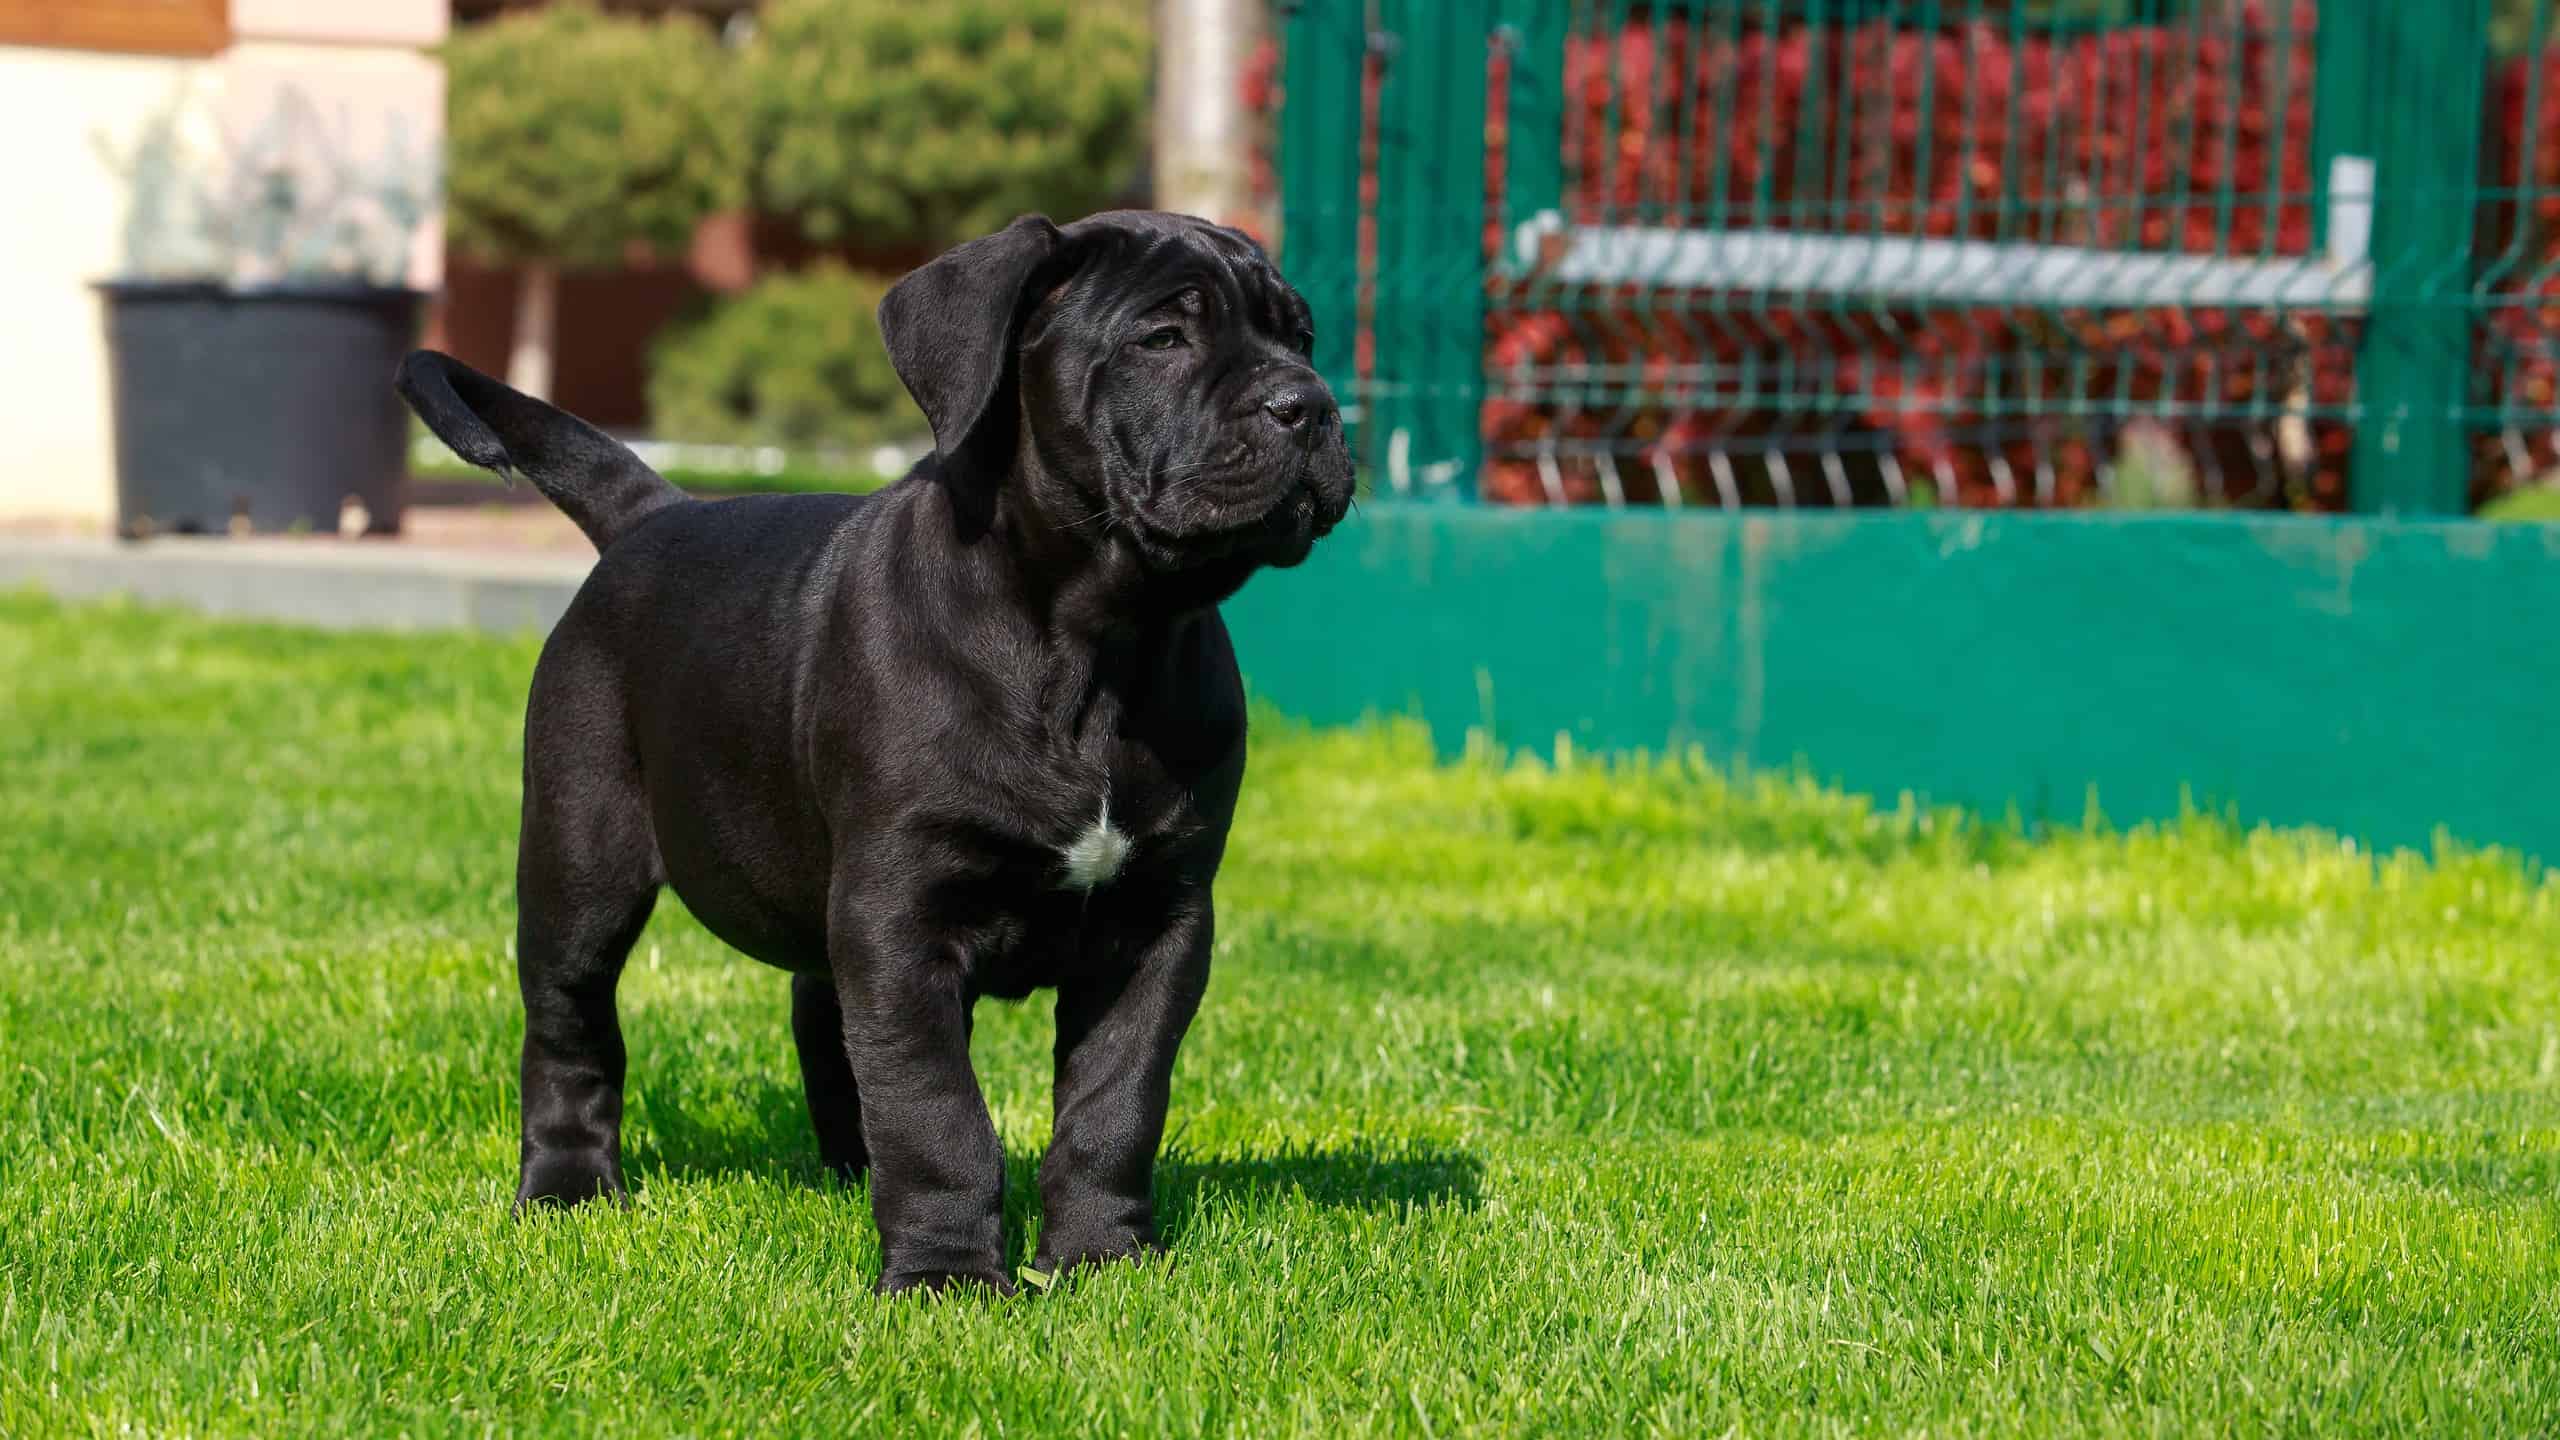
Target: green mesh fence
1979 252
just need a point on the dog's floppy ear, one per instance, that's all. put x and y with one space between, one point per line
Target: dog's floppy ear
949 326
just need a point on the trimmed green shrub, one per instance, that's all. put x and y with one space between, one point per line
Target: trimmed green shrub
794 361
573 137
905 127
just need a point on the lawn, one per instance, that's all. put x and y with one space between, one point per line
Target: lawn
1526 1101
714 484
799 474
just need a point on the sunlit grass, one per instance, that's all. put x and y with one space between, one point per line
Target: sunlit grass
1526 1101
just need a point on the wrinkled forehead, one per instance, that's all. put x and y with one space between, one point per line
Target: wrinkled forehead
1129 268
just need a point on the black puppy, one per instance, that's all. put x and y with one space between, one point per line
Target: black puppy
974 735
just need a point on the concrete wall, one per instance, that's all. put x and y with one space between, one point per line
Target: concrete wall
360 63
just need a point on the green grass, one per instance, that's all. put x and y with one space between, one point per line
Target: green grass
800 474
790 480
2527 503
1526 1101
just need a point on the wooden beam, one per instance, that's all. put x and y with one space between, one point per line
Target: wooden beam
144 27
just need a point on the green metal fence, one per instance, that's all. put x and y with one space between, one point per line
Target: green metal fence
2260 253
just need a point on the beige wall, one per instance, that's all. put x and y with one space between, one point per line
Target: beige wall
58 234
59 230
409 24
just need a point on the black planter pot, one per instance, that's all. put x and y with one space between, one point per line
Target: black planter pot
265 408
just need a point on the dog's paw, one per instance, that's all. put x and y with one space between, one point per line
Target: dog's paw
1057 1258
556 1182
946 1282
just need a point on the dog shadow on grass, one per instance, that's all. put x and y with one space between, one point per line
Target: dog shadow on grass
758 1131
1396 1175
762 1133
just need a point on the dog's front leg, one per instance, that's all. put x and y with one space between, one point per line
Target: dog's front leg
937 1169
1117 1034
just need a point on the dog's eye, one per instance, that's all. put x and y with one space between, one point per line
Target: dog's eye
1164 339
1306 339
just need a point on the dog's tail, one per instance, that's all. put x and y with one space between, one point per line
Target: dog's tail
593 478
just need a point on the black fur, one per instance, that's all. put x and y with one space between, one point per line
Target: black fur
859 735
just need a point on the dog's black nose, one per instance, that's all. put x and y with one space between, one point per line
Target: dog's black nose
1296 406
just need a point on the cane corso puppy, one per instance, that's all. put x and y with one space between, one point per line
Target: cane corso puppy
977 734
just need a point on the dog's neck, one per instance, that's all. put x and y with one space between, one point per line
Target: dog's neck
1099 619
1051 546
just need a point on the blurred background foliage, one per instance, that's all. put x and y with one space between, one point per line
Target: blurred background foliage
869 134
906 127
795 361
574 138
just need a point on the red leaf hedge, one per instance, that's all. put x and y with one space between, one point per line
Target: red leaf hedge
2161 138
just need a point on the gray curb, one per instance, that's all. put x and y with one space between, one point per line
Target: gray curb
344 586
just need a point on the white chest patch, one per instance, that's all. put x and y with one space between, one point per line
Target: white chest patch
1096 855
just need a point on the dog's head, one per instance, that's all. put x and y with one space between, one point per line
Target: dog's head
1135 372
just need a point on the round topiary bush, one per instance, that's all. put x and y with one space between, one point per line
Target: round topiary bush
902 128
794 361
574 139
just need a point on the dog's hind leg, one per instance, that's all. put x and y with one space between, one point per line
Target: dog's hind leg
586 879
826 1074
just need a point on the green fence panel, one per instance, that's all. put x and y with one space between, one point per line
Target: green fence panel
2129 253
2381 678
1531 36
2345 122
2414 368
1429 287
1319 162
1319 158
